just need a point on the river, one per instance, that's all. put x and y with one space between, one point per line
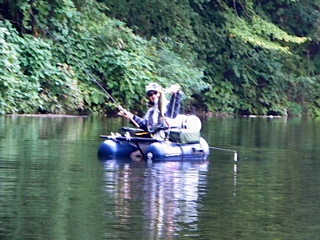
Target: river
52 185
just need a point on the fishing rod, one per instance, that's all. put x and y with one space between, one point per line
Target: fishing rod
235 154
86 71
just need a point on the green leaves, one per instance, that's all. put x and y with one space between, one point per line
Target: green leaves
10 85
244 57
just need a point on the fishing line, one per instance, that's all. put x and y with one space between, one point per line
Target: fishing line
235 154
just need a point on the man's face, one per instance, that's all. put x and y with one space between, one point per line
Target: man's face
153 95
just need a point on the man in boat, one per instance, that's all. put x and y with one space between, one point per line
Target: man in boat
158 116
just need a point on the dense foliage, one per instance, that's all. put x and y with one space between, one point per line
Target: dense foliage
242 57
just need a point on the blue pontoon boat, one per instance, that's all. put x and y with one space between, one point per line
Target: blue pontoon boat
181 143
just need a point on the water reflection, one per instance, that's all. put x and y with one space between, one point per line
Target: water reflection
52 185
235 172
169 193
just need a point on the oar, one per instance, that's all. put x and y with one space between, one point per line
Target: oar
235 156
173 104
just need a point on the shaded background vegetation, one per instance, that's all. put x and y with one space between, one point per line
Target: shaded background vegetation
238 57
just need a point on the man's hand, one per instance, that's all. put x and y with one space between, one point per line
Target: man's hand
173 89
126 114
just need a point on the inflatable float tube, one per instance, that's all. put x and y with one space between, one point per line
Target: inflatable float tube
183 142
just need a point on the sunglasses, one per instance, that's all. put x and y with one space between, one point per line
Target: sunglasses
151 93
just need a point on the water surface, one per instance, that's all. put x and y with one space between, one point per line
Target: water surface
52 186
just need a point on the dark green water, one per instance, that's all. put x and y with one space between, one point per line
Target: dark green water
52 185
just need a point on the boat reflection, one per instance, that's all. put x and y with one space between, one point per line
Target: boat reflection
165 195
